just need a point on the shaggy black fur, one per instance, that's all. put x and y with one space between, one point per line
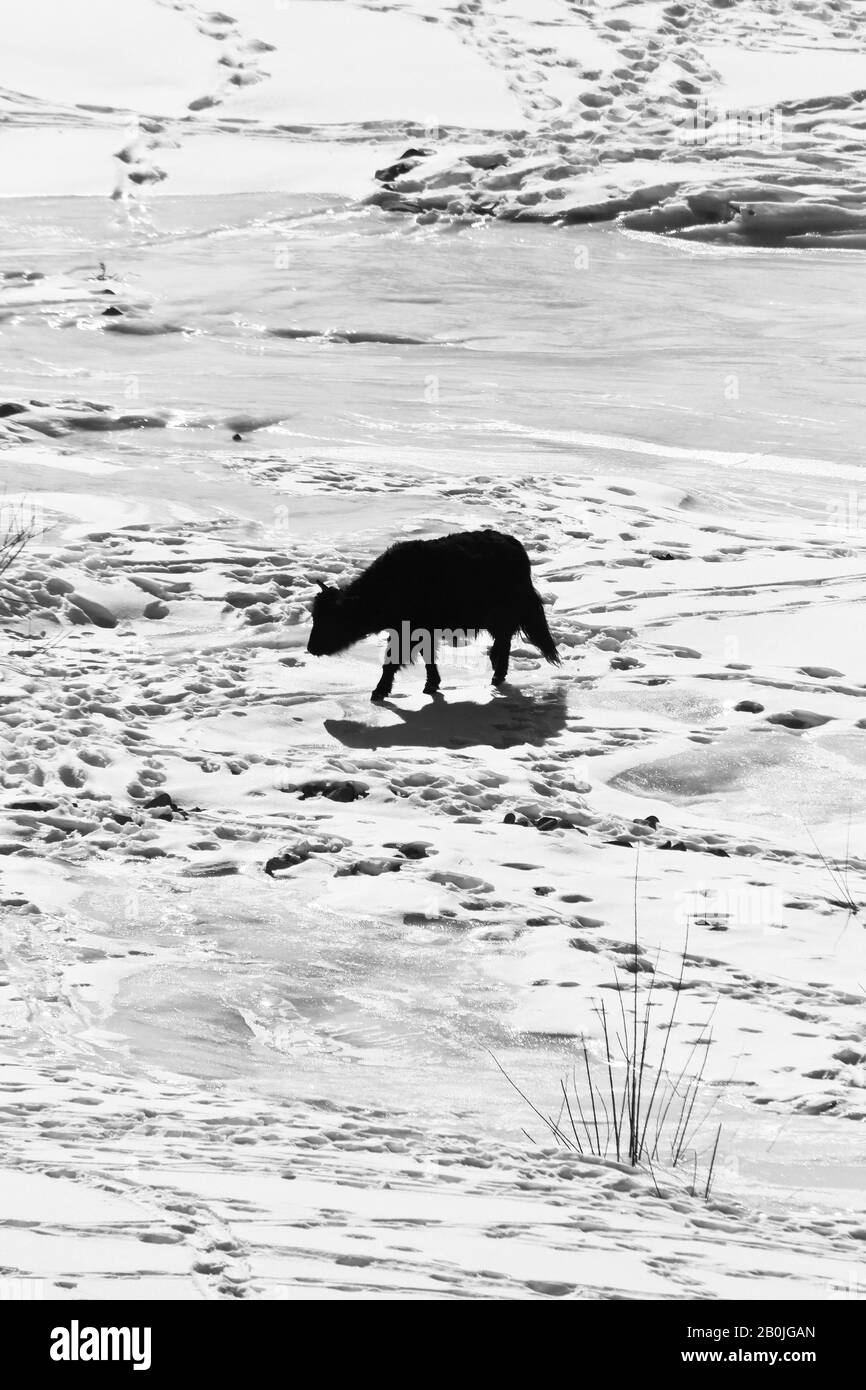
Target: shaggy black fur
424 591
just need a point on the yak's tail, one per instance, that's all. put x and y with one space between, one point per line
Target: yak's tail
534 628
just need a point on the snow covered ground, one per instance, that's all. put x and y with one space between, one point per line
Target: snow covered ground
266 947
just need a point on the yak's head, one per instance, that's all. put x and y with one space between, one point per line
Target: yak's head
334 622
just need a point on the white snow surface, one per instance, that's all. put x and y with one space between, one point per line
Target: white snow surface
220 1081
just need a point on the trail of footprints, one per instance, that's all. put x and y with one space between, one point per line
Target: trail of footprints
195 1230
643 81
87 699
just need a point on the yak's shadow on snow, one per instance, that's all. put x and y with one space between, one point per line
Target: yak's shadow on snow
511 718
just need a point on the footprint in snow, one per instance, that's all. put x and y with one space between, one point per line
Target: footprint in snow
799 719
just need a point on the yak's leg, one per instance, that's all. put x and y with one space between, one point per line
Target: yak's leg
386 681
499 654
434 680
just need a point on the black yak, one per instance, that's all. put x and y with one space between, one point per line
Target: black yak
425 592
